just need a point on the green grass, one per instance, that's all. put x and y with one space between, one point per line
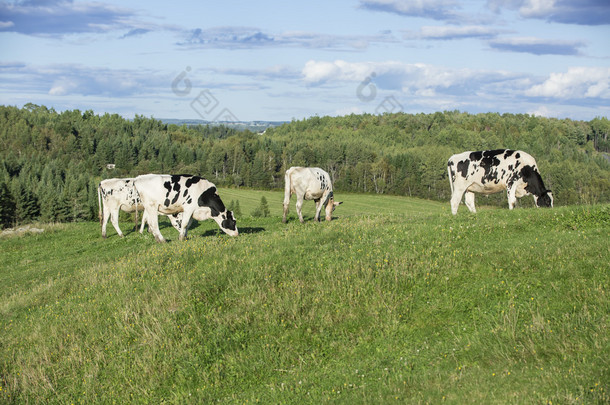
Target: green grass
394 301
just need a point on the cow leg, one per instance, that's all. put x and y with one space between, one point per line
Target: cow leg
512 198
152 216
144 220
469 200
105 218
187 215
299 206
114 218
286 204
456 197
318 209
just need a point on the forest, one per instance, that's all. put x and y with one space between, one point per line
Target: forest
51 162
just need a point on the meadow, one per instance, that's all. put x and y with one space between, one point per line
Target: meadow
394 301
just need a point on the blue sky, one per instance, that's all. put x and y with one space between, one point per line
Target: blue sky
279 60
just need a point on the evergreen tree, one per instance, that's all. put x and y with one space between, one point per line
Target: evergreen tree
7 206
49 204
262 210
28 208
237 209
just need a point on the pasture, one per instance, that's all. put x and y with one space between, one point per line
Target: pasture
394 301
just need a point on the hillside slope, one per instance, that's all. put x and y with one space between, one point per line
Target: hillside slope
412 307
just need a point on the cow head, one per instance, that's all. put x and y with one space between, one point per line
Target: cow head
227 223
535 186
225 220
545 199
330 205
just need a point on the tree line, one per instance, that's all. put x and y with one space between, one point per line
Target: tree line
51 162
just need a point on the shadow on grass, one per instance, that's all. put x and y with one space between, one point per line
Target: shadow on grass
242 231
307 218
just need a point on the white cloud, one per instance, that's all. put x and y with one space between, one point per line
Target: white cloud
418 79
537 8
576 83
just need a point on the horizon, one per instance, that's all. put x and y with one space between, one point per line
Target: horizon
237 61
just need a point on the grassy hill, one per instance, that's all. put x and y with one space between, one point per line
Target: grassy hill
394 301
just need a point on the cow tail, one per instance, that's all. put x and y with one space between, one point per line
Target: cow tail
137 198
450 179
99 203
287 187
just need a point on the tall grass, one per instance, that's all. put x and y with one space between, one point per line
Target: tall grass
406 305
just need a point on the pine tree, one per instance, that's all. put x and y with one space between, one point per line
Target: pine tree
237 209
262 210
7 206
28 206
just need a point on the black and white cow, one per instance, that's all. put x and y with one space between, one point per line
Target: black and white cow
309 183
192 196
492 171
114 195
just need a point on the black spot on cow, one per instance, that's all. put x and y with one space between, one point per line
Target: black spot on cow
192 180
166 202
175 198
476 155
186 191
176 178
508 153
490 164
127 181
168 187
518 155
210 199
462 167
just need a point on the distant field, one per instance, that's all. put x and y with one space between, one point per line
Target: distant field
353 204
394 301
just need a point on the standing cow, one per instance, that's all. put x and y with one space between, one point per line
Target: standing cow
309 183
492 171
192 196
114 195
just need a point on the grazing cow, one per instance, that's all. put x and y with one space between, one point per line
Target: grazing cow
309 183
192 196
492 171
114 195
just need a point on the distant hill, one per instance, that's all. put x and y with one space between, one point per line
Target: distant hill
254 126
